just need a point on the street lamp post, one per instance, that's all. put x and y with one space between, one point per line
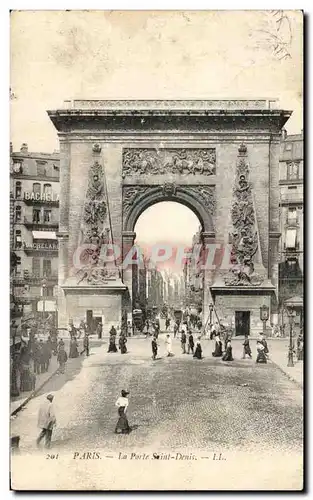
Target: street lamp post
264 315
211 313
291 313
44 285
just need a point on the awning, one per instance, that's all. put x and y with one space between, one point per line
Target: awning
44 235
291 238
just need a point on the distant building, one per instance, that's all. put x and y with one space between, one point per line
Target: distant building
34 220
291 220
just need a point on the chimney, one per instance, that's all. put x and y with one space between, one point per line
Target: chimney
24 148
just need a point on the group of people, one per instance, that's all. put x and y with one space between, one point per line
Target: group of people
122 341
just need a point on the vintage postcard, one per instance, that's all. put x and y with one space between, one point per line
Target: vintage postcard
156 234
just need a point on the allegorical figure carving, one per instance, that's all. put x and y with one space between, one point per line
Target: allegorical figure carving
244 237
172 161
94 272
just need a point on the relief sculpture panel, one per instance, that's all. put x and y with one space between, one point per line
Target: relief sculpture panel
153 161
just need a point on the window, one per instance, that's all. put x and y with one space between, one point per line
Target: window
288 147
292 216
47 189
47 267
293 171
18 213
41 168
47 215
17 167
36 266
291 236
49 291
18 238
36 215
36 188
18 189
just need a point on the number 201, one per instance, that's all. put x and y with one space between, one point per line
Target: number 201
52 456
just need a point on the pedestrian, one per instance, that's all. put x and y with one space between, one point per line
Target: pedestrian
300 347
60 345
212 332
198 351
154 346
218 351
183 340
227 338
112 344
42 357
36 357
168 346
99 330
175 329
261 357
73 348
122 405
167 323
122 344
47 354
191 343
86 344
228 354
246 347
264 343
46 421
62 359
147 326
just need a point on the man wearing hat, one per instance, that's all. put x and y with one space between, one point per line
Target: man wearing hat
46 420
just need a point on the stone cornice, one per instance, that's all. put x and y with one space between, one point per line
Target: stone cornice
142 115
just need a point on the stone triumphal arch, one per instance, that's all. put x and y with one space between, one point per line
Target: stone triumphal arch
219 158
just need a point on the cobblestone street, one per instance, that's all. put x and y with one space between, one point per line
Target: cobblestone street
177 404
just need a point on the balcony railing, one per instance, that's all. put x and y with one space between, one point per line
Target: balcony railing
41 223
34 278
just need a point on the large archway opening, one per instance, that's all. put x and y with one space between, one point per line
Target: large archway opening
167 279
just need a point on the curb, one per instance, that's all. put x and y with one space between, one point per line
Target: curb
290 377
33 394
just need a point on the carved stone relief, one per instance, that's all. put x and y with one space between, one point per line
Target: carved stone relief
244 236
169 161
204 194
94 232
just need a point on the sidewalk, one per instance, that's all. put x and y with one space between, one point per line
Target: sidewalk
279 356
41 380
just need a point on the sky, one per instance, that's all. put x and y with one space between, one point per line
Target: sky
59 55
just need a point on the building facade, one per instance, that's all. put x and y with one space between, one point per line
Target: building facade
34 221
291 222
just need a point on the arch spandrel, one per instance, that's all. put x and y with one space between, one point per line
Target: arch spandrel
200 199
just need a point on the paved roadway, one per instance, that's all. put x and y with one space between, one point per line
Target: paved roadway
179 404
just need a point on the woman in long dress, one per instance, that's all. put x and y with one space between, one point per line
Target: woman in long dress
112 344
168 346
218 352
246 348
122 344
228 354
122 426
261 357
73 348
198 351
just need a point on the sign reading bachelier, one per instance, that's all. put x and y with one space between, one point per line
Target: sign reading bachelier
44 246
52 197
